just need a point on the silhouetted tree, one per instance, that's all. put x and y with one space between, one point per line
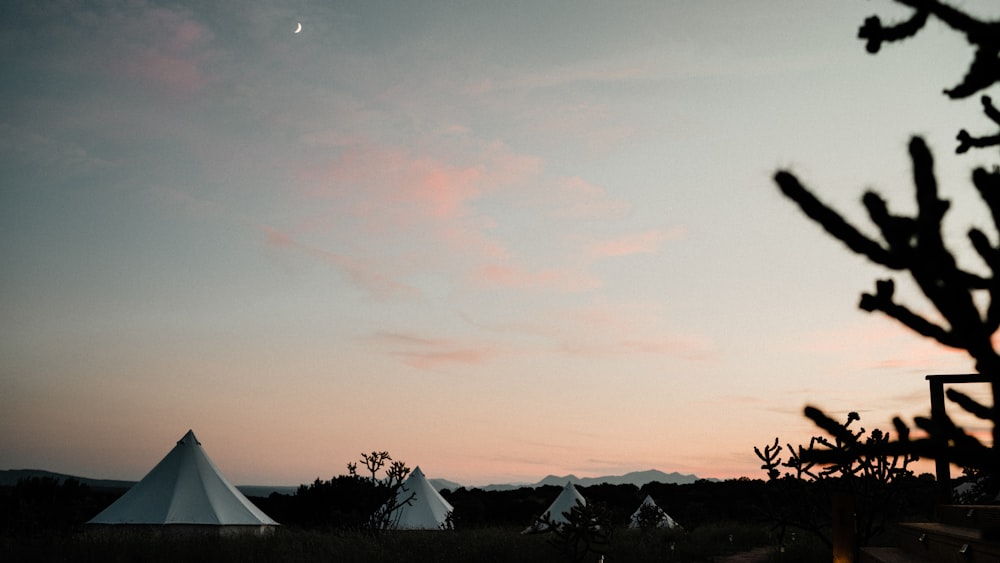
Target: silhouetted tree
618 500
347 501
649 517
587 530
391 488
968 302
37 505
475 507
800 490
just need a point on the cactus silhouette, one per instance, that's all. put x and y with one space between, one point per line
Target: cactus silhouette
968 302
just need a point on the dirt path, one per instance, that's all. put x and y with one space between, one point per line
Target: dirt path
753 556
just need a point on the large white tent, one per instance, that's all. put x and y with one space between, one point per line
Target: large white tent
185 490
427 510
556 512
663 520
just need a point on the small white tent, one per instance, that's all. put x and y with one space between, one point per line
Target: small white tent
426 511
663 520
185 490
556 512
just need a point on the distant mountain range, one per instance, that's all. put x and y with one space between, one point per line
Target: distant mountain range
637 478
10 477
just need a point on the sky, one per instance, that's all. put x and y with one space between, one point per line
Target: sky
499 240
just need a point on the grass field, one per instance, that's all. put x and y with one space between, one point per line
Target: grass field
484 545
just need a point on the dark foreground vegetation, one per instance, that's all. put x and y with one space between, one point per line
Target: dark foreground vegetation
43 520
302 545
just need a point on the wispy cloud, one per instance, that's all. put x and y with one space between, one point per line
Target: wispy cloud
31 151
170 51
401 197
744 400
401 186
165 50
672 345
517 277
430 353
361 274
553 77
869 341
392 187
358 272
622 329
603 330
579 199
635 243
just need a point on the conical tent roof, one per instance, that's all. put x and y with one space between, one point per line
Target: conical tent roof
665 521
184 488
556 512
427 511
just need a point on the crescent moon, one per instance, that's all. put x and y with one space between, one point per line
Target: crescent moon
298 27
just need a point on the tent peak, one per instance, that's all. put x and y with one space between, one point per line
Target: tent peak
189 438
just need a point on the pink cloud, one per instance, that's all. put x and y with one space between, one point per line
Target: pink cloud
510 276
429 353
394 184
175 52
619 330
579 199
177 74
412 202
361 274
671 345
552 78
164 49
479 88
636 243
48 155
398 196
442 190
404 198
602 139
592 126
879 342
394 174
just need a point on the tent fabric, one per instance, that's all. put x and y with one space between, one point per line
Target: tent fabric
665 521
184 488
556 512
427 511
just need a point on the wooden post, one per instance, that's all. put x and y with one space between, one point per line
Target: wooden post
845 531
942 467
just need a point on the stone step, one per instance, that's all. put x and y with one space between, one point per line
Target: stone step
889 555
944 542
981 517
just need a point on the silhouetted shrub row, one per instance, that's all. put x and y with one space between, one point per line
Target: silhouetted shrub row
344 502
45 504
41 519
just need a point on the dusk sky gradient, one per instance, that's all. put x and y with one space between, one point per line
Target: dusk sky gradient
497 239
